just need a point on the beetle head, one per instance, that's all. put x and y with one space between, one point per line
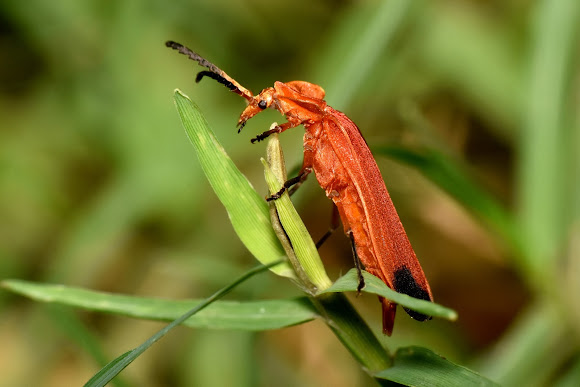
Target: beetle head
256 105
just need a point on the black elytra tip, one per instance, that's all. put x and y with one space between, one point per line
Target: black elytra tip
406 284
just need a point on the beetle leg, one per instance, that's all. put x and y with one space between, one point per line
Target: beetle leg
304 171
357 263
300 179
276 129
291 185
334 223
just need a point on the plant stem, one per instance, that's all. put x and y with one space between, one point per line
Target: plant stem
352 331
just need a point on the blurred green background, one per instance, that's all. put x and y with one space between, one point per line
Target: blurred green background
99 187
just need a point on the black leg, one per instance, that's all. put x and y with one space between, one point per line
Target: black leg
357 264
262 136
334 223
290 183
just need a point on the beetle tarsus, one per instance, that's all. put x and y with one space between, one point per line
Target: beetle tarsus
287 185
263 136
260 137
277 195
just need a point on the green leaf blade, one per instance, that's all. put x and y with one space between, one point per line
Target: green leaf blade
247 210
349 282
420 367
111 370
248 315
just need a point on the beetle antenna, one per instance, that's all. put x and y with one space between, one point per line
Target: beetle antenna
217 77
214 71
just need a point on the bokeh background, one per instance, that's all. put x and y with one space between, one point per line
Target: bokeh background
99 187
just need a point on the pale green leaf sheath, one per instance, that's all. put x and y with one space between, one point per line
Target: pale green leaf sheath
307 264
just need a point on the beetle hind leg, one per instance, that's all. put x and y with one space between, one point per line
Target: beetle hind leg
334 224
357 263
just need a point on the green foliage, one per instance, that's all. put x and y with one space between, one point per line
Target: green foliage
112 369
247 315
307 264
349 282
335 311
416 366
248 212
100 190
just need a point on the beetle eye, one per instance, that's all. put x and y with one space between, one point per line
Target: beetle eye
262 104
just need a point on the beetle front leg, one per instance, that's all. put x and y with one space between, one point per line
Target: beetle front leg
276 129
294 182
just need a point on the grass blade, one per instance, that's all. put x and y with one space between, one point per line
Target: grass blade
349 282
248 211
248 315
547 145
420 367
107 373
